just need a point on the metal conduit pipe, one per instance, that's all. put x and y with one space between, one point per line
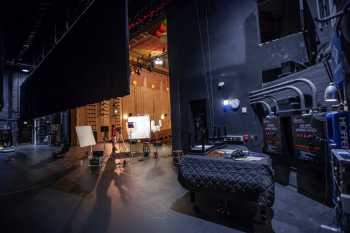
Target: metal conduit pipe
295 89
303 80
263 103
274 100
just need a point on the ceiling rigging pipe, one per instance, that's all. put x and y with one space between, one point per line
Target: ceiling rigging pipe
278 89
274 100
303 80
263 103
68 29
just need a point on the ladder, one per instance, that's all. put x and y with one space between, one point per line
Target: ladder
116 112
92 116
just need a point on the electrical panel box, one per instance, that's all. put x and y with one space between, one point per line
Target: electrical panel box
338 129
277 144
341 169
311 153
341 183
309 133
272 136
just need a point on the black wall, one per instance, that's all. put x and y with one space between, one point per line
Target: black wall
2 61
214 41
9 114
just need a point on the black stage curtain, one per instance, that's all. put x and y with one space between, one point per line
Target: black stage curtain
90 64
1 68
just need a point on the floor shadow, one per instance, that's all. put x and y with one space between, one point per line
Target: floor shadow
99 218
121 155
82 186
123 183
126 155
240 216
155 171
44 162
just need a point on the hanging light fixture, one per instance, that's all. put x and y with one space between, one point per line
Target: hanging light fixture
331 93
158 61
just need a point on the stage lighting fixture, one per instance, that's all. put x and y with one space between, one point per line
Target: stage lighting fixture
158 61
331 93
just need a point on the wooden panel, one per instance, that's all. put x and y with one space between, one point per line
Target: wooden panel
143 99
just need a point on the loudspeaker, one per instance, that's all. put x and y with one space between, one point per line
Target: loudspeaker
104 129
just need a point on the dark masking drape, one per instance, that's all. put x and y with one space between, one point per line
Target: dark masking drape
90 64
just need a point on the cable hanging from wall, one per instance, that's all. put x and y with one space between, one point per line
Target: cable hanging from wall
206 64
210 67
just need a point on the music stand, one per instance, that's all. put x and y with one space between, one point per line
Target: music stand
85 137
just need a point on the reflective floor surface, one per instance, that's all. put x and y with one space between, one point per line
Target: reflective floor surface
41 194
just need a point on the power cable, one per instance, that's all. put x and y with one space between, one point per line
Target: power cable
203 59
211 105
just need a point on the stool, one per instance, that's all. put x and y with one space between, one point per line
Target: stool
146 149
177 155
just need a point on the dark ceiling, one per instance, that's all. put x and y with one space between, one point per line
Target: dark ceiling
30 27
17 24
